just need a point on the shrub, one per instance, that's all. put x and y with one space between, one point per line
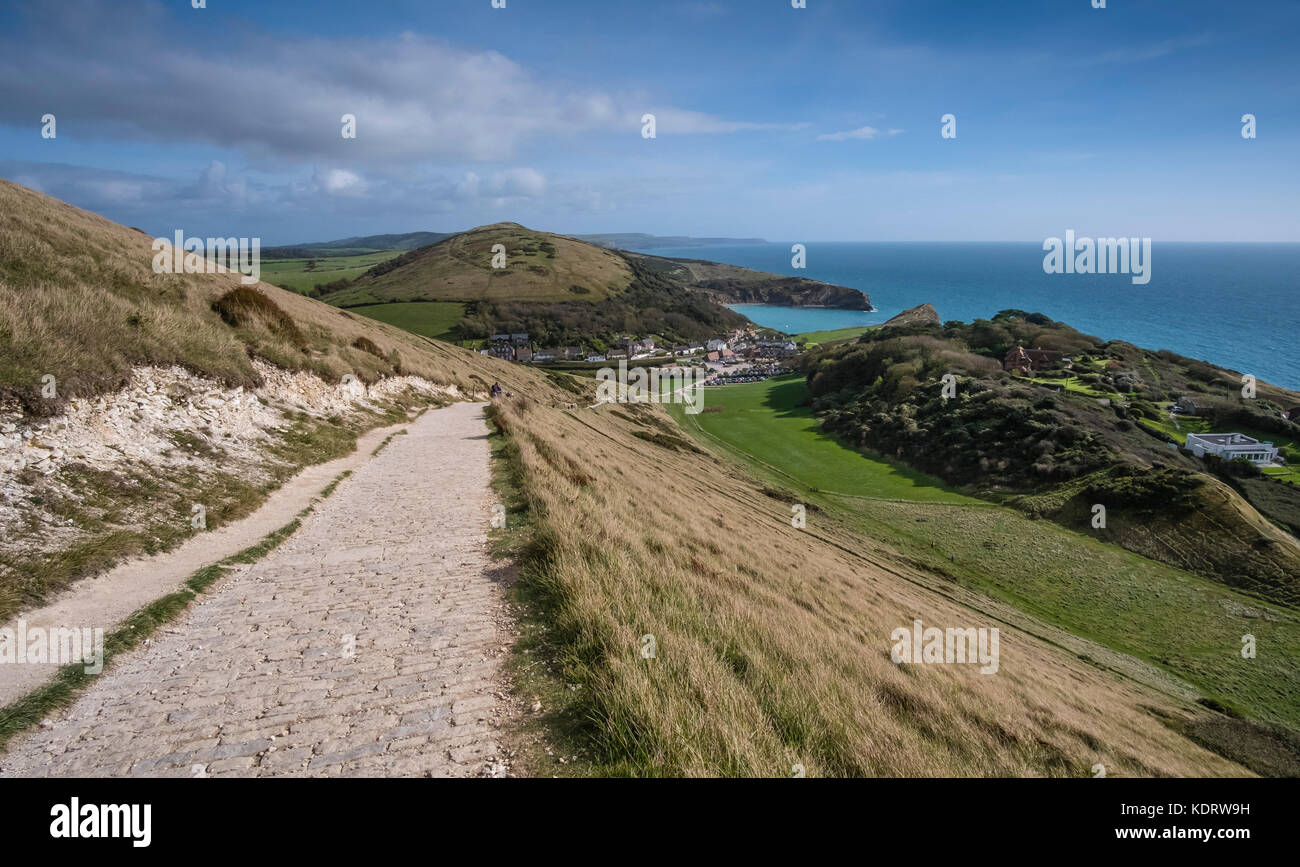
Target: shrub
244 305
365 344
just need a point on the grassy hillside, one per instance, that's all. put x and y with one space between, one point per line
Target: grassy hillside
539 267
79 301
565 291
771 421
559 290
921 314
770 643
834 335
1186 626
1061 441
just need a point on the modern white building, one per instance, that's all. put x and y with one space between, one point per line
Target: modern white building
1231 446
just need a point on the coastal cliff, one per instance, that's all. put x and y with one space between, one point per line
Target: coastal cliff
731 284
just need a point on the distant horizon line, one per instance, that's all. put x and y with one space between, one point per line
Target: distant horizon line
719 240
954 241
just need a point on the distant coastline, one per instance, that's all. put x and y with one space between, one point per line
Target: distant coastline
646 243
1188 307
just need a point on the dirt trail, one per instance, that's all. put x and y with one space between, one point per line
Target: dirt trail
368 643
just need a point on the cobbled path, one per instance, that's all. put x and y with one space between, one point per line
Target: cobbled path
367 644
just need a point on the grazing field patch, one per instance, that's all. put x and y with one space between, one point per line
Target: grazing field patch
436 319
768 421
303 275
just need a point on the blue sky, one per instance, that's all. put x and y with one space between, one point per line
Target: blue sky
820 123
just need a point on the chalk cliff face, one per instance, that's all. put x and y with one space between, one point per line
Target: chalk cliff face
731 284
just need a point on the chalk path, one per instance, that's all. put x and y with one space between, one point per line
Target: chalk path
368 644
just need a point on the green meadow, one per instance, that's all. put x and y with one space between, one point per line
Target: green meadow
768 422
293 274
812 338
1180 623
436 319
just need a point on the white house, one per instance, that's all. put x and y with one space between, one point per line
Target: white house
1231 446
716 345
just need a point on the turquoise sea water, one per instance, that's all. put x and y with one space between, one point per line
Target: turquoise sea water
1235 305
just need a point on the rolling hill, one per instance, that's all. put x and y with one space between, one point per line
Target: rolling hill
539 267
559 290
563 290
1084 431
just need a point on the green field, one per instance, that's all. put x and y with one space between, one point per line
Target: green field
812 338
1076 385
435 319
1187 625
766 421
1176 622
293 273
1178 428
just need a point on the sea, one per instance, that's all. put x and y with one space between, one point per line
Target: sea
1234 305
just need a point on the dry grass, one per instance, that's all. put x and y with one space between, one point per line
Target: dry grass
79 301
773 643
539 267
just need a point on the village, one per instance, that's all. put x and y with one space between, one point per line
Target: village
742 355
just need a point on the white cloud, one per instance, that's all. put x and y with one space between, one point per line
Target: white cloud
862 133
343 181
416 99
672 121
222 200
